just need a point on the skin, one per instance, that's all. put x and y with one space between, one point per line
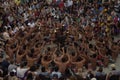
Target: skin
115 51
45 22
58 58
79 64
30 60
19 57
73 58
60 64
46 62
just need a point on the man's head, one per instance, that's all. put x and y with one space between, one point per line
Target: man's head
63 59
43 69
12 73
1 55
73 53
48 49
100 69
56 69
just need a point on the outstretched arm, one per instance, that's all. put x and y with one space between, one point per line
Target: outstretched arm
54 56
57 62
69 58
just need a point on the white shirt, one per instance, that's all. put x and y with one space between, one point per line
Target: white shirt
67 20
25 16
6 36
11 67
80 36
69 3
31 25
10 18
15 30
58 73
21 72
49 1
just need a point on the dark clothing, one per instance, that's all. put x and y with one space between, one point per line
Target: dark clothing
100 76
114 75
4 65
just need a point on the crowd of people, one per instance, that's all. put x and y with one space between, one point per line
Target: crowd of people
58 39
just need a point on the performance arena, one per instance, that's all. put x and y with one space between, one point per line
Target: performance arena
59 39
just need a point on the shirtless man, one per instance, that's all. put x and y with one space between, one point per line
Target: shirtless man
63 63
60 56
32 56
47 57
19 55
80 63
30 60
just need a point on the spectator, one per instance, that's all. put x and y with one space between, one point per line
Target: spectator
21 71
56 73
89 75
12 76
12 66
100 74
114 74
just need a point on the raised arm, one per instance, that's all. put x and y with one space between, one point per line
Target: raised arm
75 49
30 58
80 62
54 53
42 45
69 58
57 62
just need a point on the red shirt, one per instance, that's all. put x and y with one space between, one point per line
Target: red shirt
61 5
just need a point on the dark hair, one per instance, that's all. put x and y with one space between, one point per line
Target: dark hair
21 34
115 43
100 69
43 69
30 54
12 74
20 52
67 72
24 47
32 68
1 55
76 44
79 58
56 68
13 46
73 53
32 50
45 57
11 61
48 49
63 59
41 77
37 45
90 46
29 76
55 76
91 75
